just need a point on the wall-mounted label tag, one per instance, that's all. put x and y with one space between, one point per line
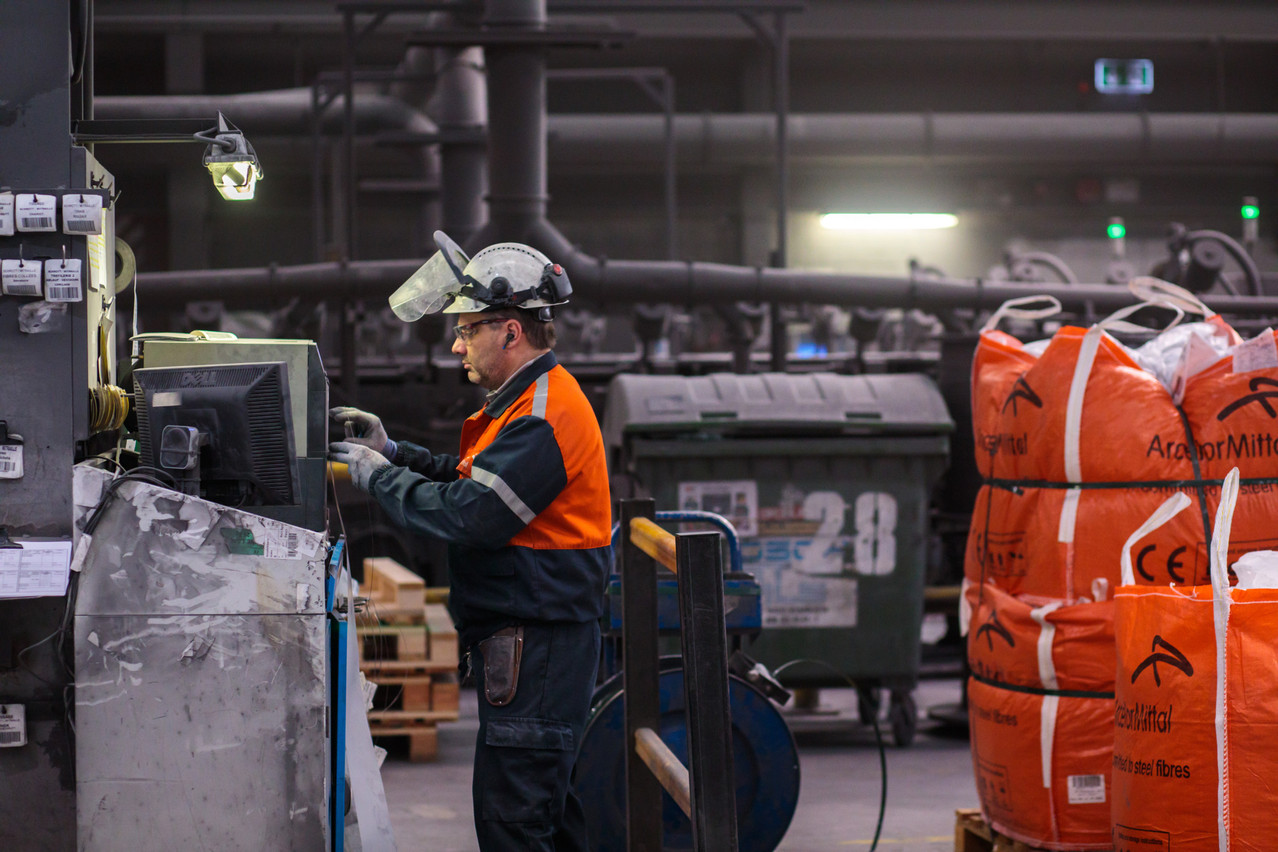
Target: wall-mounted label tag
21 277
81 214
10 461
36 212
13 725
62 281
6 214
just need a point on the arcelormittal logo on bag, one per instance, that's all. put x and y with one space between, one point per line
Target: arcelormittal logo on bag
1170 655
1021 390
1153 717
1258 395
993 627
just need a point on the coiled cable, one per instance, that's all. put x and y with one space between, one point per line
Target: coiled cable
108 406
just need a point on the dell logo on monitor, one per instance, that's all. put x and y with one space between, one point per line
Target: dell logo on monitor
198 379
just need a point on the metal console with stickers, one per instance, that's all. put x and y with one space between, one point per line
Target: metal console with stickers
200 653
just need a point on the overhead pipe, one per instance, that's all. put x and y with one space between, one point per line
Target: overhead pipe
459 106
736 139
749 138
517 203
517 156
620 282
516 118
447 85
284 112
518 199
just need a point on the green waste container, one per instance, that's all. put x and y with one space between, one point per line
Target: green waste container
827 479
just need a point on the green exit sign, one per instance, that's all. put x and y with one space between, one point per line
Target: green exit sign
1124 76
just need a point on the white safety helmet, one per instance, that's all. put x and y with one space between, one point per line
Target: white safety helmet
504 275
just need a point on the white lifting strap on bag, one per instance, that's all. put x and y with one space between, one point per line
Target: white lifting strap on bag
1170 508
1221 600
1150 292
1016 309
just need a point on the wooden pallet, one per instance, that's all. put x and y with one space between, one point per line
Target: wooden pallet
415 686
973 834
409 649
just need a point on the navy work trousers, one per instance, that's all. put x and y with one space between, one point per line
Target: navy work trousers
526 749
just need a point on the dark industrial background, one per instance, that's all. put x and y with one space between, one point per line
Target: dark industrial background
714 132
674 156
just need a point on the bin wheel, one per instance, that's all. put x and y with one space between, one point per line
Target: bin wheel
869 700
904 717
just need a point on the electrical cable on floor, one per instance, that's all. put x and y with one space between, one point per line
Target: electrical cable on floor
878 739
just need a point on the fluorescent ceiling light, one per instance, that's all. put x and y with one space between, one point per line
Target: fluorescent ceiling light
888 221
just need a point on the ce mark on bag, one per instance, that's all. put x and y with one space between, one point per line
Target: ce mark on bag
1174 563
501 653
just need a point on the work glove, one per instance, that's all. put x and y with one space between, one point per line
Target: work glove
361 461
367 428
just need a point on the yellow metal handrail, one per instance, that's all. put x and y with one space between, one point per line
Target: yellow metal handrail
654 541
667 768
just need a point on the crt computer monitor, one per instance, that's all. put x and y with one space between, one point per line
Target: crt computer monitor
244 420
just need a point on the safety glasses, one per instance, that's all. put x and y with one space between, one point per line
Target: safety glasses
470 329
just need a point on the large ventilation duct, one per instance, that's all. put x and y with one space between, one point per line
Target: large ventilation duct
459 105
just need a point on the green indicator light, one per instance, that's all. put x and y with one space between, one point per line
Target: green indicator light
1250 211
1116 230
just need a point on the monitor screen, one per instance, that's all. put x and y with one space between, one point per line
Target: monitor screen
237 417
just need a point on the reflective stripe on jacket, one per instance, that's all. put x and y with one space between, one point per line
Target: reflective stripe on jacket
525 507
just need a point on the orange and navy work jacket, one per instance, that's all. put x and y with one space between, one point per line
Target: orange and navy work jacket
525 507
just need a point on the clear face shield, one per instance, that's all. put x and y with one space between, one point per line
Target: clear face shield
435 284
505 275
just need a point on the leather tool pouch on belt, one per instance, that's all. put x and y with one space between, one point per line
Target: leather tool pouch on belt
501 653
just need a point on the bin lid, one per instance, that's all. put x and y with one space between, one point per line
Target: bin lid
774 404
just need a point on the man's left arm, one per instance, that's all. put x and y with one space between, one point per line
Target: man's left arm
511 481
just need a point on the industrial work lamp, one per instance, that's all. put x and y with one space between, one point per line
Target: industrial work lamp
229 157
232 162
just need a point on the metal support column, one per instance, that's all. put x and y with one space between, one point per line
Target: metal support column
705 665
639 666
778 39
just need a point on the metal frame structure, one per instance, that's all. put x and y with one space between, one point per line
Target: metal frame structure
704 790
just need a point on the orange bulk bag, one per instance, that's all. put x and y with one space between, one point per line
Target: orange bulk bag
1084 410
1056 542
1039 703
1040 710
1255 521
1047 792
1097 415
1008 639
1196 708
997 366
1232 407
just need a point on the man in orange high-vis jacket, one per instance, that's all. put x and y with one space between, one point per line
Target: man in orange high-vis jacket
525 509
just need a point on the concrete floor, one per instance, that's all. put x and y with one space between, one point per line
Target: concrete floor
839 791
